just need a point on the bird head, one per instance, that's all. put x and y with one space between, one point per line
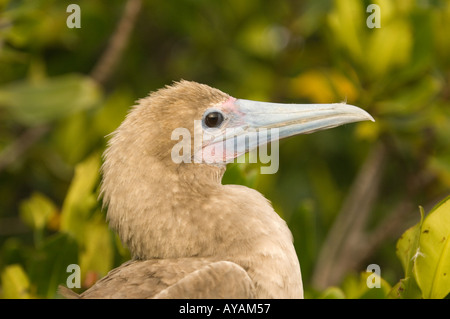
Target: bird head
181 137
193 122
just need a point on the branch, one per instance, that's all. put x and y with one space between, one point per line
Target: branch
108 61
337 253
347 245
394 224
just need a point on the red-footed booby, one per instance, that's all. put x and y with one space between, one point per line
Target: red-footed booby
189 235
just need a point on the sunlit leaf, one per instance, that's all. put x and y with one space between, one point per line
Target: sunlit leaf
407 249
332 293
323 87
389 47
368 131
347 22
407 246
37 210
424 251
81 199
356 287
15 283
432 267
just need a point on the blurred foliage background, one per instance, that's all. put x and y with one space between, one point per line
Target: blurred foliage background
347 194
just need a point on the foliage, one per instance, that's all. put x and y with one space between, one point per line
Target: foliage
424 251
57 105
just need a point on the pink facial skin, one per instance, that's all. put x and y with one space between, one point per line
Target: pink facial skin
217 152
229 106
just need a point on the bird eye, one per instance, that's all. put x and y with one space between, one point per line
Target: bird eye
213 119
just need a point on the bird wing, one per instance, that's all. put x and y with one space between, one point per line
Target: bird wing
218 280
172 278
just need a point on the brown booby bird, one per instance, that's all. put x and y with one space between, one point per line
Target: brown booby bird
189 235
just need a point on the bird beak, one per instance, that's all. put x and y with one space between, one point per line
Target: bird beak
293 119
249 124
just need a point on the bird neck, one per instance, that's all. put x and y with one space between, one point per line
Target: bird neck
166 210
153 204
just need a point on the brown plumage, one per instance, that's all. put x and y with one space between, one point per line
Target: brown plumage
190 236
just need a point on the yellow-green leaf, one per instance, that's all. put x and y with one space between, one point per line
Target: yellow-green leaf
15 283
347 24
407 249
432 267
407 246
81 198
332 293
389 47
356 287
37 210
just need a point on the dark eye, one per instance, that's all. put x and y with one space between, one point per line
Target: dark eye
213 119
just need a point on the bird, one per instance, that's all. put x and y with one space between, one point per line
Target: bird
189 235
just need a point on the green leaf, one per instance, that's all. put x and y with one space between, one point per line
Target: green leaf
15 283
407 247
37 210
388 48
424 251
81 199
356 287
408 244
40 102
85 223
432 267
405 289
332 293
347 24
